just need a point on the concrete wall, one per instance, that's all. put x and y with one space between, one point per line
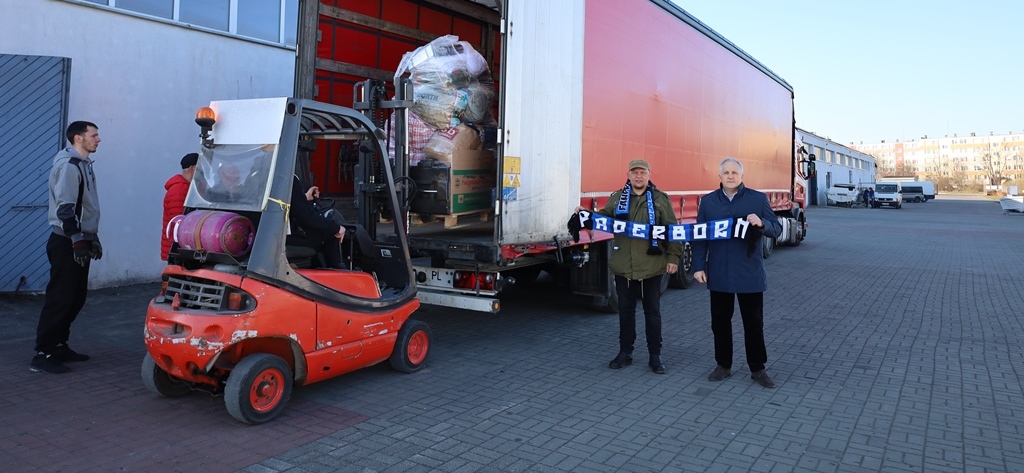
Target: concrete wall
141 82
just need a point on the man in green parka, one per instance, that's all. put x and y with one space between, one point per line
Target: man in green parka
639 265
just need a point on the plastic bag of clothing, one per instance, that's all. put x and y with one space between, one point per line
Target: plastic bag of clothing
447 88
445 62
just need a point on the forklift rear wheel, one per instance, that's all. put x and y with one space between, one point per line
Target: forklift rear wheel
412 347
160 382
258 388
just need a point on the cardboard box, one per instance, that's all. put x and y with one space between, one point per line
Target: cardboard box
464 187
473 177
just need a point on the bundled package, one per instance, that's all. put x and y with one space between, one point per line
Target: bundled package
451 82
419 134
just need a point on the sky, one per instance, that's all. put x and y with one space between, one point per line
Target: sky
874 70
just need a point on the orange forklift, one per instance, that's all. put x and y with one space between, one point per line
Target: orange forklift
247 313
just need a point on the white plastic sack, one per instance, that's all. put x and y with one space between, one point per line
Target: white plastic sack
451 83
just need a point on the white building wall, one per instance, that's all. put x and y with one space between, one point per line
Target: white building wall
141 82
845 165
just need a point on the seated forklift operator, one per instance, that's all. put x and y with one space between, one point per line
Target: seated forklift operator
321 232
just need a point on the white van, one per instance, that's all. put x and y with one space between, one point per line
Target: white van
929 189
888 193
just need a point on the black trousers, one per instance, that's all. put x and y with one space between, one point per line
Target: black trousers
331 249
648 291
752 313
65 294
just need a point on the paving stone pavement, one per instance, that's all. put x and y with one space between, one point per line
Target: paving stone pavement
894 337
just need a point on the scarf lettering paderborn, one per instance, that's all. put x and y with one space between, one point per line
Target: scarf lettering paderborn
714 230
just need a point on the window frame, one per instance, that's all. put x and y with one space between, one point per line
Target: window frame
231 32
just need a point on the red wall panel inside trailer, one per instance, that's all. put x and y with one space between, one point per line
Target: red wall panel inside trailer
351 43
656 88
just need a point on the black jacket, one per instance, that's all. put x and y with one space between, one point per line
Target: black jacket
305 215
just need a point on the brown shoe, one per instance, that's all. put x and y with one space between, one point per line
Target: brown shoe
719 374
762 378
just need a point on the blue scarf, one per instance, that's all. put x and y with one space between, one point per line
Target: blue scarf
622 211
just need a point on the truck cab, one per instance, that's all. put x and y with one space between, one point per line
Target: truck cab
889 194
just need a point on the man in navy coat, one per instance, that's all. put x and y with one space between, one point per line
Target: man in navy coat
733 269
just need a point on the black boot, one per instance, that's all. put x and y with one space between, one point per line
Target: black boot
621 360
656 365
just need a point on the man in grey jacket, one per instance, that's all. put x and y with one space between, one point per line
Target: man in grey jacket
74 216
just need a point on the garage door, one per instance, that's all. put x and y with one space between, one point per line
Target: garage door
33 114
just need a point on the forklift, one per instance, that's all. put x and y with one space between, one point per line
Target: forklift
245 313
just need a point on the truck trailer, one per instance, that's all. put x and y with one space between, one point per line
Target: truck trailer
581 88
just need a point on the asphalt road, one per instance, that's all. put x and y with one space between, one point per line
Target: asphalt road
894 337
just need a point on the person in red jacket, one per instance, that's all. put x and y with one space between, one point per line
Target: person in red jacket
174 198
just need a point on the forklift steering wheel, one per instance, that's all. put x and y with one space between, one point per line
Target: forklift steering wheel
324 203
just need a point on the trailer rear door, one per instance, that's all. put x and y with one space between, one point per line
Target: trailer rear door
542 116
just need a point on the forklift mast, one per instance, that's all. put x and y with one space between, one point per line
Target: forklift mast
370 98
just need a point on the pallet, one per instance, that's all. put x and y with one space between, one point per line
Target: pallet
453 220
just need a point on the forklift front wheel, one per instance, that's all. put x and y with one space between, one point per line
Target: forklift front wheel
412 347
258 388
160 382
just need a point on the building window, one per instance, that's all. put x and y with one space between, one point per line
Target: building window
214 14
157 8
260 19
291 22
275 21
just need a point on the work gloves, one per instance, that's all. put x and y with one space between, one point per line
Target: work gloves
86 250
83 252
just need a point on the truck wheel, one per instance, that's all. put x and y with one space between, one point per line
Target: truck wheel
684 276
412 347
767 245
160 382
797 230
258 388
